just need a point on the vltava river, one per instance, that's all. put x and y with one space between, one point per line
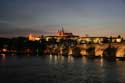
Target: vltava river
60 69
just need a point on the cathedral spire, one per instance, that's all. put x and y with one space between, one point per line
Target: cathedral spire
62 29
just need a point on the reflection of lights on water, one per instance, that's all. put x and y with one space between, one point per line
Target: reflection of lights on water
101 55
28 54
70 59
56 59
101 62
84 59
50 58
12 54
117 59
120 69
59 59
3 58
62 59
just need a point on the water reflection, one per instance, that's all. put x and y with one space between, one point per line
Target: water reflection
3 58
28 54
13 54
56 59
84 59
70 59
62 59
59 59
50 58
81 70
120 69
99 61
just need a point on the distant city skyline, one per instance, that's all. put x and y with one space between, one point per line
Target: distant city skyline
81 17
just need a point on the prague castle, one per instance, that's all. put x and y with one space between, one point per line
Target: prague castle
63 34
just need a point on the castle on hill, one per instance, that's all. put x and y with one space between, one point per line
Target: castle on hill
62 33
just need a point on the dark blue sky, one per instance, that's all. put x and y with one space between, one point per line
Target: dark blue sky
93 17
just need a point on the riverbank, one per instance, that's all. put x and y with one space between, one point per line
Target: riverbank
110 51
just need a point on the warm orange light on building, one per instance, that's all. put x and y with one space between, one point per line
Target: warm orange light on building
37 38
31 37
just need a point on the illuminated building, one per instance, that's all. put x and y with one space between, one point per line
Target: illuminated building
31 37
62 33
116 40
100 39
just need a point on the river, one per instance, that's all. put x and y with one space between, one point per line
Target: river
60 69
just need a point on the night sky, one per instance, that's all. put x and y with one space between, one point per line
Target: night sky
92 17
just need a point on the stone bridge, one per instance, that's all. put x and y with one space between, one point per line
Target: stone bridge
101 50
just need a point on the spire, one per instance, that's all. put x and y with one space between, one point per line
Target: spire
62 28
